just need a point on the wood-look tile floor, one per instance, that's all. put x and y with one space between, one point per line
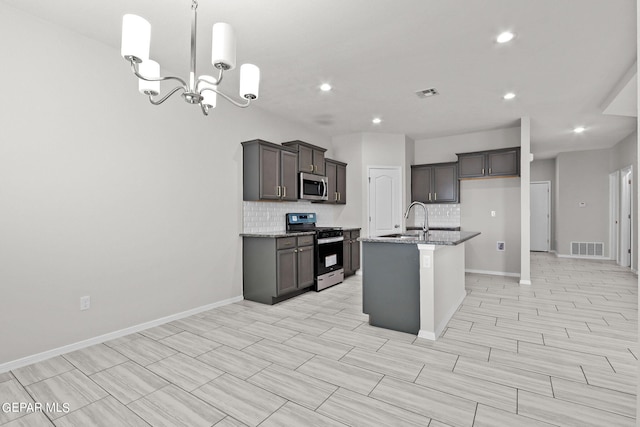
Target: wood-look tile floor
561 352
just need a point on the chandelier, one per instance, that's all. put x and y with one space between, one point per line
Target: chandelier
136 40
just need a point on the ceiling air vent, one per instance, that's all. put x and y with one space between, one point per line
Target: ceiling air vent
427 92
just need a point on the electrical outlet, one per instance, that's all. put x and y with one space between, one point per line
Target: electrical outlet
500 246
85 303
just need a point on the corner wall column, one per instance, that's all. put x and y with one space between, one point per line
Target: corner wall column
525 201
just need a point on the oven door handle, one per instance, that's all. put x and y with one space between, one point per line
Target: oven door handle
330 240
324 189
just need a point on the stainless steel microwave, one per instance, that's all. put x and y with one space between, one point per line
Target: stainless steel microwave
313 187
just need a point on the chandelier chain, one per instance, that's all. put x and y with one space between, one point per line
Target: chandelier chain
194 4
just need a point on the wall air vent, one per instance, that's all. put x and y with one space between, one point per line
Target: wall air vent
587 249
427 93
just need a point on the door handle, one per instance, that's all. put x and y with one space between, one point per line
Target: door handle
396 226
278 190
284 191
482 171
429 196
311 166
435 196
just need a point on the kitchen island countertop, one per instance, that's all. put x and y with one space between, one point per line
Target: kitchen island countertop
434 237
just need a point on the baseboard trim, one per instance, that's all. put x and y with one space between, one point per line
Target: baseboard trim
492 273
426 335
39 357
449 315
599 258
525 282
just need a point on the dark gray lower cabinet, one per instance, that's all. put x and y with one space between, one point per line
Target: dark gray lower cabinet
275 269
351 252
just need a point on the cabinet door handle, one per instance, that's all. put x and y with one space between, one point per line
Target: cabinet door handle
339 196
435 196
311 166
489 171
429 196
482 171
278 190
335 196
315 168
295 250
284 191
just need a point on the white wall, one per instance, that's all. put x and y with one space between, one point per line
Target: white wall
582 176
103 194
361 151
479 197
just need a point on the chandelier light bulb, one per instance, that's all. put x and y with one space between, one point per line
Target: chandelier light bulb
325 87
223 46
151 69
579 129
209 97
376 121
509 96
249 81
136 38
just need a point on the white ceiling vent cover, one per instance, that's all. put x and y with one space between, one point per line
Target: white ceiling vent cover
426 93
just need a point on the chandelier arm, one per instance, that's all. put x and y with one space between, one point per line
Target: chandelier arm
134 68
214 82
205 110
164 98
228 98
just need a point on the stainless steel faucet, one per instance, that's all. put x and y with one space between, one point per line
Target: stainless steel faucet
425 225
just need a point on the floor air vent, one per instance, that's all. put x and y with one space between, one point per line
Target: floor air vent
595 249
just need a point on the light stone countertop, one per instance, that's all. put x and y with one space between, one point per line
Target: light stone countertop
434 237
275 234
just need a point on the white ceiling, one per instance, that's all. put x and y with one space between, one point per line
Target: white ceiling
564 63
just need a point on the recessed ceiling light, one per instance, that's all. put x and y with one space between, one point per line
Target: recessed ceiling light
509 95
507 36
376 121
325 87
579 129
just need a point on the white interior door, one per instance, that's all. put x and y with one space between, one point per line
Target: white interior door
614 215
385 200
626 194
540 194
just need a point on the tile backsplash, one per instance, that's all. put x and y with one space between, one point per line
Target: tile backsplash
270 216
442 215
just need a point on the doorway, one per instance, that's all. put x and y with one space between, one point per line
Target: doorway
626 215
614 215
385 200
540 193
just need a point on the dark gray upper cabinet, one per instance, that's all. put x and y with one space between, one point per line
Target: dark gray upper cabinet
310 157
435 183
492 163
269 171
337 176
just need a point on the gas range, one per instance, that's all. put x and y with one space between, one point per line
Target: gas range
328 248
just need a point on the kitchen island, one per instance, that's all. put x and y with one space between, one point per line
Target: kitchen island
414 282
